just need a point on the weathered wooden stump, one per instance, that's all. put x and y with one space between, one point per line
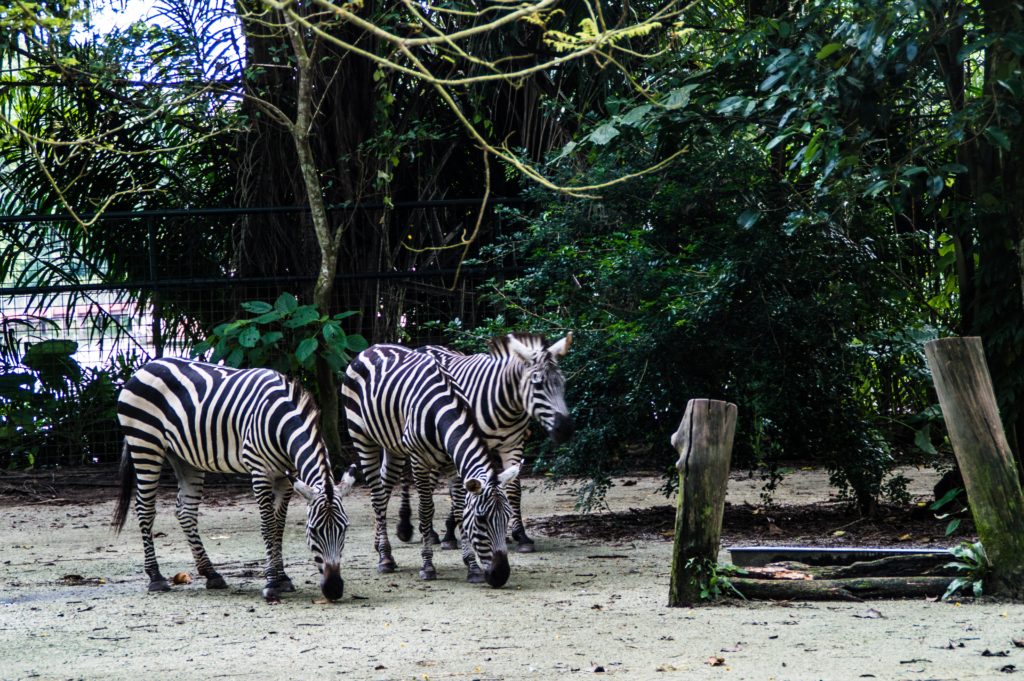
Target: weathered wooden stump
968 403
704 442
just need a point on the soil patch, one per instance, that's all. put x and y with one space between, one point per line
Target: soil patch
816 524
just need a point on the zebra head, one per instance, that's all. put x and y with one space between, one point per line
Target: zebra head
542 385
485 522
326 525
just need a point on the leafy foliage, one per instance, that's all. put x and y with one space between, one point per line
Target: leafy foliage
973 562
53 409
283 336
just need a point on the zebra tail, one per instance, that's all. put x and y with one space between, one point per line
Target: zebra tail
124 499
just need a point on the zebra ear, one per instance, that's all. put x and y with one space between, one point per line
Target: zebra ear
473 486
523 352
347 480
508 475
561 347
303 489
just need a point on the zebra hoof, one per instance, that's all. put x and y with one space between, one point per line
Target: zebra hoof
215 581
475 577
432 538
526 546
449 544
404 531
428 575
159 584
285 586
386 567
271 595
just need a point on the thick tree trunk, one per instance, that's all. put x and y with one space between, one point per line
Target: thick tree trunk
990 475
704 442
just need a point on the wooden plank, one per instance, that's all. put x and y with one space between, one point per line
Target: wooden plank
754 556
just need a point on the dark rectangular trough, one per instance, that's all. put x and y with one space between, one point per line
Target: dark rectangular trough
759 556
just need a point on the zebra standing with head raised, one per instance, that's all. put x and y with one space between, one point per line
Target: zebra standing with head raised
202 417
517 379
402 408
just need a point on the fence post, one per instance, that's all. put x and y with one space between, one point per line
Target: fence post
158 338
968 402
704 442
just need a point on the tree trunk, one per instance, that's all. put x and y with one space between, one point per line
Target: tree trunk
704 442
326 238
990 475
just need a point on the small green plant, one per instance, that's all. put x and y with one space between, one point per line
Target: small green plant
284 336
945 501
713 580
973 563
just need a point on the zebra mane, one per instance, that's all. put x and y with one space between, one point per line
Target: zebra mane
498 345
493 458
305 403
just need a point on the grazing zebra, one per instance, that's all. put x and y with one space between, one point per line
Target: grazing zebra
401 408
203 417
517 379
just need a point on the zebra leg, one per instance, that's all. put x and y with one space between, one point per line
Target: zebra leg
517 526
282 495
404 529
376 471
425 483
147 476
474 575
190 493
457 495
263 487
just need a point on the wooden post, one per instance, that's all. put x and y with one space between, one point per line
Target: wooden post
704 442
968 402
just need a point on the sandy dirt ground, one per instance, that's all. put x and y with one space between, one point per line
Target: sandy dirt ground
73 605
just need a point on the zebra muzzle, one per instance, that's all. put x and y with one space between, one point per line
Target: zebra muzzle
497 572
331 583
562 429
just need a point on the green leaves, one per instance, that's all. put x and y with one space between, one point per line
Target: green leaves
973 562
284 336
604 134
997 137
748 218
827 51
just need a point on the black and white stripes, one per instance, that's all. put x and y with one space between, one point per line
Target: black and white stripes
518 379
201 417
403 409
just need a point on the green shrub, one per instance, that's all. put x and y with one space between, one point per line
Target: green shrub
284 336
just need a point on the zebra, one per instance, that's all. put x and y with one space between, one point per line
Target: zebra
517 379
204 417
401 408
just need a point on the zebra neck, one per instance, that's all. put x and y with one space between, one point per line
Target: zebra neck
313 473
500 387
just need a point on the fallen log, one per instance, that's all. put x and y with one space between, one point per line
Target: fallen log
840 589
893 566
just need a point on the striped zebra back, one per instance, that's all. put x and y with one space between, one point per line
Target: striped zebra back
222 419
403 400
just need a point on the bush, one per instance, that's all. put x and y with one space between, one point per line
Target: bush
54 411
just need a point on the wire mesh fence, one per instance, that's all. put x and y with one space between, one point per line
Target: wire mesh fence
77 320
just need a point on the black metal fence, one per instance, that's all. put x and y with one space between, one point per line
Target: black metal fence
98 324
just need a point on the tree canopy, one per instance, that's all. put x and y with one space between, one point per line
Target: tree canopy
767 202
